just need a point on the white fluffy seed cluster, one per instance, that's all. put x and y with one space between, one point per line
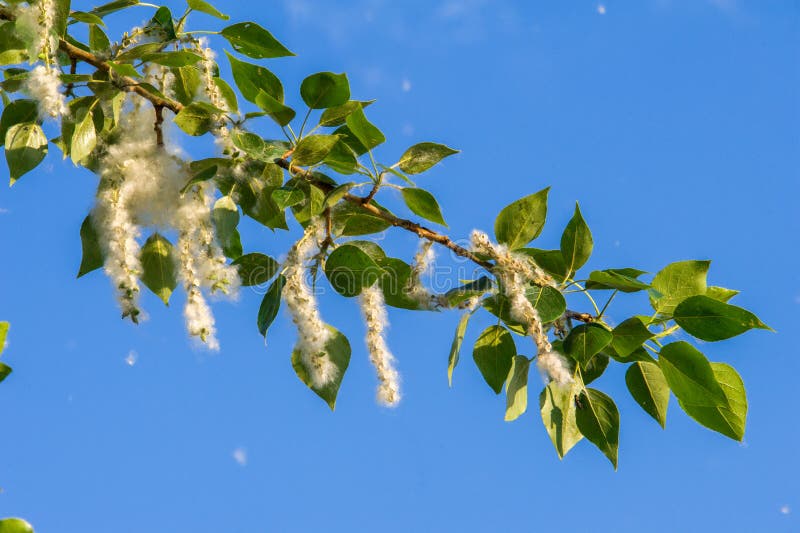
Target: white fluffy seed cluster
373 308
423 262
211 91
141 186
313 334
515 272
36 21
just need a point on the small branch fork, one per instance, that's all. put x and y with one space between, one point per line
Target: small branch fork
129 84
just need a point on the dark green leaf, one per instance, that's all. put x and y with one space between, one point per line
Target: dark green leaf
187 80
351 220
493 353
252 40
204 175
333 197
455 347
98 40
621 279
548 301
111 7
557 406
287 196
690 375
586 340
422 203
711 320
394 281
576 242
251 79
158 267
522 221
92 255
124 69
325 89
87 18
26 146
517 389
598 421
162 23
479 287
226 218
349 270
728 419
313 149
629 336
423 156
5 370
338 349
676 282
649 388
363 130
551 261
595 367
270 305
205 7
255 268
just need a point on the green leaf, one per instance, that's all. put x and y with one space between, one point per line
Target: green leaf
195 119
227 94
351 220
18 111
598 421
325 89
158 267
87 18
5 370
92 255
13 47
620 279
202 176
111 7
576 242
313 149
690 375
181 58
551 261
629 336
478 287
455 347
711 320
594 368
187 81
138 52
60 16
287 196
422 203
517 389
15 525
522 221
124 69
548 301
338 349
84 139
586 340
394 280
721 293
676 282
649 388
423 156
251 79
276 110
349 270
226 218
98 40
337 115
493 353
557 406
252 40
26 146
270 305
363 130
3 334
255 268
208 9
728 419
162 21
333 197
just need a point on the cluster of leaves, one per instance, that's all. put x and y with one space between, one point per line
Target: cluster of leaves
317 170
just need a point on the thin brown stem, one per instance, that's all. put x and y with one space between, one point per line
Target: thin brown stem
158 125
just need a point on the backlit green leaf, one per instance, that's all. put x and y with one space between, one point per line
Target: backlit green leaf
208 9
629 336
226 219
338 350
711 320
313 149
195 119
676 282
423 203
158 267
522 221
690 375
557 406
276 110
728 419
517 389
251 79
455 347
366 133
621 279
649 388
493 353
252 40
26 146
18 111
84 139
576 242
423 156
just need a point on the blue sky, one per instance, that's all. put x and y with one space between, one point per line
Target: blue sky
673 122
